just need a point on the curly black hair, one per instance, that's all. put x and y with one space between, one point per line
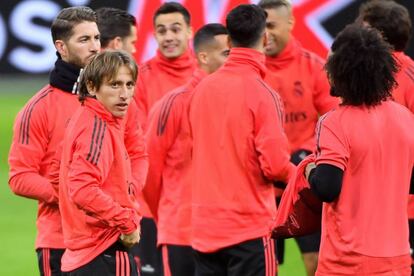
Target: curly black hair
361 67
390 18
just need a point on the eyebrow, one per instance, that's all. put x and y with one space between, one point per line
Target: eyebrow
162 25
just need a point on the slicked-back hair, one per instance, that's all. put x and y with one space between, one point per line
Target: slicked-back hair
361 67
246 25
104 67
172 7
112 23
391 19
67 19
206 35
275 4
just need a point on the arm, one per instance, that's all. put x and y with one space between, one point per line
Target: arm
332 159
85 179
326 182
270 139
161 134
29 146
135 145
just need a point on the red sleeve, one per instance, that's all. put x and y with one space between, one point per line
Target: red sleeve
141 100
161 133
408 84
270 139
86 176
135 145
322 100
331 144
29 146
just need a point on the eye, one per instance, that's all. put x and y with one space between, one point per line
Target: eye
115 84
161 31
176 29
130 84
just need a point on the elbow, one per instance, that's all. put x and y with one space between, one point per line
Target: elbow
326 182
324 196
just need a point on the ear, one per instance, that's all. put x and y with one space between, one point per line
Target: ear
265 38
116 43
202 58
190 32
91 88
291 22
61 48
229 42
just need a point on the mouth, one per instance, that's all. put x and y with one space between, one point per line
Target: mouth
122 106
170 48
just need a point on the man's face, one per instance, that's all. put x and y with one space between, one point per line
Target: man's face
82 46
172 34
217 53
279 24
128 43
116 94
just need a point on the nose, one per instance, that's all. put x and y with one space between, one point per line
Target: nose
125 93
133 49
95 45
169 35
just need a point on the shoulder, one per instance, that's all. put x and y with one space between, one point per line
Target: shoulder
311 58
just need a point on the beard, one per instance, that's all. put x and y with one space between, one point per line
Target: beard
76 60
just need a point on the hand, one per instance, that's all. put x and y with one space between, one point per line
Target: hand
128 240
308 169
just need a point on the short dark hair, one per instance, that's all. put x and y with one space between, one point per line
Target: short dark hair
246 24
172 7
67 19
274 4
391 19
206 34
361 67
104 66
113 22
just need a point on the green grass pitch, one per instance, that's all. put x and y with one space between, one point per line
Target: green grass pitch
18 215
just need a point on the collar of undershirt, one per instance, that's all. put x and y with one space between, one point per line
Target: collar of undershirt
176 66
65 76
285 57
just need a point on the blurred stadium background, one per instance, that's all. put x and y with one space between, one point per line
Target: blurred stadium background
27 54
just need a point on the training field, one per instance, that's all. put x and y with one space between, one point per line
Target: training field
18 215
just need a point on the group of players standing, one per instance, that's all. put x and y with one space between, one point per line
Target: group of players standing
188 153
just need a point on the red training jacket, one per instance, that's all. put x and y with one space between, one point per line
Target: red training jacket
157 77
168 188
95 187
404 94
34 156
298 76
239 148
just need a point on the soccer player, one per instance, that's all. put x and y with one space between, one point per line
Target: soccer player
364 163
99 215
168 187
172 67
118 32
173 64
394 22
117 28
239 149
39 127
298 76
